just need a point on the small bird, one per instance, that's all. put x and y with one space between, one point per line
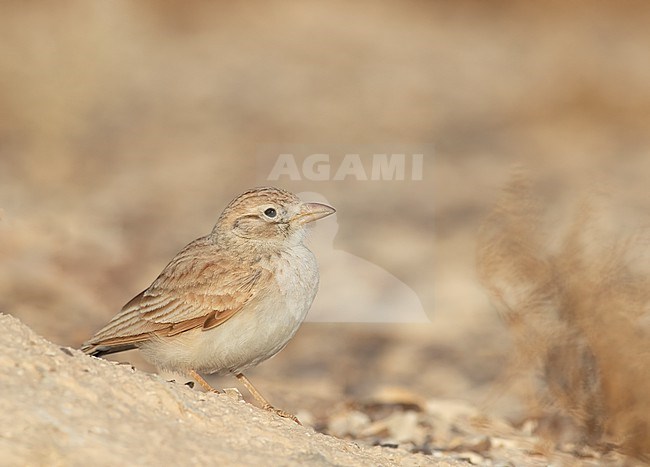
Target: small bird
229 300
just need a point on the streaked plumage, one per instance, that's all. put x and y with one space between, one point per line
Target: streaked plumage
229 300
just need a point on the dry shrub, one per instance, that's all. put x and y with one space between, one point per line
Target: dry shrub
578 310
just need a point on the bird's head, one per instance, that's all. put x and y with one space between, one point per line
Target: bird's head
269 216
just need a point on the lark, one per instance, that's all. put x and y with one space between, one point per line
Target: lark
229 300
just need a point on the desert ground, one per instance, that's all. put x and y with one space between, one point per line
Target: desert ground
465 304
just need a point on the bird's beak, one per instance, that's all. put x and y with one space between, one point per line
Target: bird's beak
310 212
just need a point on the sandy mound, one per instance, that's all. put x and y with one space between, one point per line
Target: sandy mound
61 407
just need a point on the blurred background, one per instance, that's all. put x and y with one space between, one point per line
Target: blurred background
126 127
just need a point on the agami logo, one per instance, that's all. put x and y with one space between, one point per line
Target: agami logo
328 167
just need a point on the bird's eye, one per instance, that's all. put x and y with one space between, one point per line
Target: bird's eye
270 212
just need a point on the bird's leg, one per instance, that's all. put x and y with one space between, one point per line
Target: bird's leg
265 404
203 383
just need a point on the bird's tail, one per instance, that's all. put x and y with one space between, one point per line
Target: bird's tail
99 350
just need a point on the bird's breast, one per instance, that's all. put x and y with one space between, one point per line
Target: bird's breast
296 277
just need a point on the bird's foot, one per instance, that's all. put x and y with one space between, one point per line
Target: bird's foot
282 413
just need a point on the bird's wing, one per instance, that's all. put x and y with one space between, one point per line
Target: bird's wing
198 288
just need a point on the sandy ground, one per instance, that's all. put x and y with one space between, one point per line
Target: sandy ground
61 407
